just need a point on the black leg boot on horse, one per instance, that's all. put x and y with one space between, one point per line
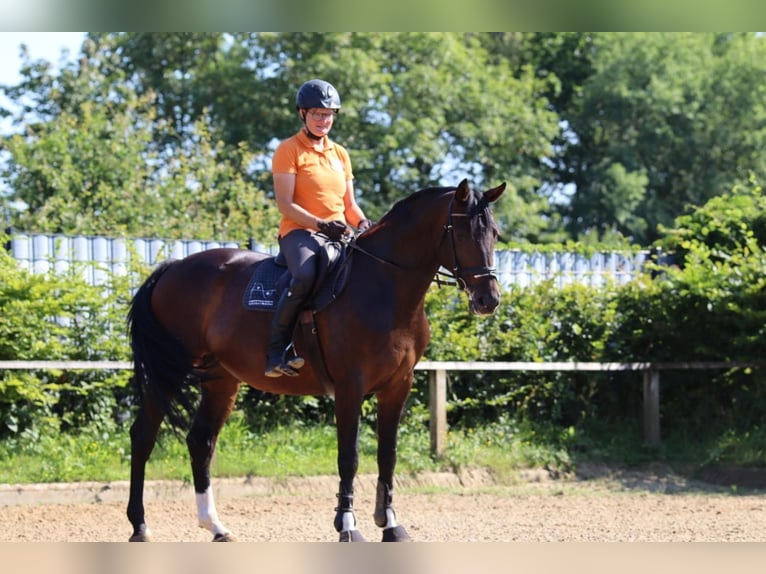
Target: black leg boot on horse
282 327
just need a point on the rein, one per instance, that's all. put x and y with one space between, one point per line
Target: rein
354 245
457 272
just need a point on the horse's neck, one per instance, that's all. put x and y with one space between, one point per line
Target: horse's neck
404 280
410 235
403 251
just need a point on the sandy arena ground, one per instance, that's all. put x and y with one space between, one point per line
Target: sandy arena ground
598 505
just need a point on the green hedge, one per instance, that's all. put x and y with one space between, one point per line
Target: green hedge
60 317
709 306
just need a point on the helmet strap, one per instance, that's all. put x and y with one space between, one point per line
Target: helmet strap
312 136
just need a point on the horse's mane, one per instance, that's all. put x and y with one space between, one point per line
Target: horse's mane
409 202
410 205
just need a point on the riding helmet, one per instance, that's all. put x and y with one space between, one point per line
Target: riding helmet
317 94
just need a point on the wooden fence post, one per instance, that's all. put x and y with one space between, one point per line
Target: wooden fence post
437 402
652 407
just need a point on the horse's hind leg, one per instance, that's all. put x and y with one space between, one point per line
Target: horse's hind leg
143 435
217 401
390 408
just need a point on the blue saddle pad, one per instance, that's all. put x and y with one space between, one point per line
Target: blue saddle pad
270 278
263 288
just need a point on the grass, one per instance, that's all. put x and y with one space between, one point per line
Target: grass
504 447
104 455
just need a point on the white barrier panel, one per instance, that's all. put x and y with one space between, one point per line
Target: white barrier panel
514 268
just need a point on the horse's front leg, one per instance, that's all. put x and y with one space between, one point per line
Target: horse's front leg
390 408
216 404
348 407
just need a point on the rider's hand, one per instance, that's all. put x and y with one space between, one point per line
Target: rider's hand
332 229
364 225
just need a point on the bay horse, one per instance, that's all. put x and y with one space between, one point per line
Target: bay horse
190 331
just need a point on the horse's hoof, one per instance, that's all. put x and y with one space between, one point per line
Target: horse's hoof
226 537
140 537
396 534
352 536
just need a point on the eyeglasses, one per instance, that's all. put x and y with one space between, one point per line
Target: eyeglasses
322 116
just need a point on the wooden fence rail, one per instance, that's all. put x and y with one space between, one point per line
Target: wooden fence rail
437 383
437 386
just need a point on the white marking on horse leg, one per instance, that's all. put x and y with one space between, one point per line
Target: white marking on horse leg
207 514
390 518
349 521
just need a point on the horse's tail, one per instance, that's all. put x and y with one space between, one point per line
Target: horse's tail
162 368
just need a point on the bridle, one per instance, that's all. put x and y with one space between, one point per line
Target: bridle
456 273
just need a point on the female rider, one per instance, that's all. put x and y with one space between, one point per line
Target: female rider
313 185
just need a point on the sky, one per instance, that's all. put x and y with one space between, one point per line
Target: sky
41 45
45 45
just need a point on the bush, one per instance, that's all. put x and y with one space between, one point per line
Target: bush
59 317
711 306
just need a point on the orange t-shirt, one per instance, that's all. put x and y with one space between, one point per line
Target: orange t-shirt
320 177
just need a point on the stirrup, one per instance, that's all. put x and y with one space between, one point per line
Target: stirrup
288 368
295 362
284 365
280 369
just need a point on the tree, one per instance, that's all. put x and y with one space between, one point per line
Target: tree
606 135
422 109
655 123
93 158
418 109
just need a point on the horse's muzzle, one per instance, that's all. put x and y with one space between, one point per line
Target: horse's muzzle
485 298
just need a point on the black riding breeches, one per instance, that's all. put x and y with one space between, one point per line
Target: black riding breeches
300 249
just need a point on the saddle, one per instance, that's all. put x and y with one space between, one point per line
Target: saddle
271 277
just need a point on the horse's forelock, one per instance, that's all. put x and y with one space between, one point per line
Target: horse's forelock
478 204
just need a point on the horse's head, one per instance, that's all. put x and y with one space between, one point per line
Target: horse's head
470 251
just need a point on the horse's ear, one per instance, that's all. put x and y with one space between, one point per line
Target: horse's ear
494 193
463 191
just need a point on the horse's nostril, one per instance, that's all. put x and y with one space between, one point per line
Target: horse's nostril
484 303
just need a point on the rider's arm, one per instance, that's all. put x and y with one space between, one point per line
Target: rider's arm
284 190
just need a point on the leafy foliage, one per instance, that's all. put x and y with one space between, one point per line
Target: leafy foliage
656 122
602 137
180 128
94 158
58 316
599 135
710 308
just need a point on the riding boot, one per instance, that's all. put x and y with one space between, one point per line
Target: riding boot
282 327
